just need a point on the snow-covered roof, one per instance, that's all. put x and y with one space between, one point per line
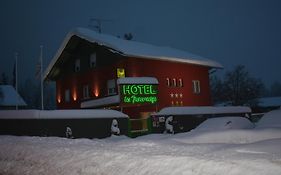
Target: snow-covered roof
204 110
137 80
132 48
270 101
61 114
10 97
101 102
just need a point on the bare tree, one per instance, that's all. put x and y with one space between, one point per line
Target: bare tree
275 89
238 88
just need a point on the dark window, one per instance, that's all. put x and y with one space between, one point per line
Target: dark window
77 65
93 60
196 86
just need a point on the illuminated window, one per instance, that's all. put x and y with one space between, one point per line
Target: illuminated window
174 82
86 91
111 88
120 72
93 60
180 84
168 83
196 86
77 65
67 95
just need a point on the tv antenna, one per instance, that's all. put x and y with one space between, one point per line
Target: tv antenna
96 23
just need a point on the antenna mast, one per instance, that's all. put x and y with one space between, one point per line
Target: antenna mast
97 23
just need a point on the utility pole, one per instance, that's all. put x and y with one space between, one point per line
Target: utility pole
41 77
16 76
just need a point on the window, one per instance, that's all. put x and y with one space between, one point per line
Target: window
196 86
77 65
168 82
180 84
111 87
86 93
67 95
174 82
93 60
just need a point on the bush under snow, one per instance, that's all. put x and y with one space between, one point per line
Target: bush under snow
270 120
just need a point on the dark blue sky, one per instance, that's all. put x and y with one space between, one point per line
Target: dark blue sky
231 32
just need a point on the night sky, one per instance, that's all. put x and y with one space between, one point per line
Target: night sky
231 32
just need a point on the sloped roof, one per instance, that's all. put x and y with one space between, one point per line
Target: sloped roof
133 48
10 97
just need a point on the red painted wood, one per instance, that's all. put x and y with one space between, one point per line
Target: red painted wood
136 67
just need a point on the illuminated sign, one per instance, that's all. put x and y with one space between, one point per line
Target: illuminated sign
132 94
120 72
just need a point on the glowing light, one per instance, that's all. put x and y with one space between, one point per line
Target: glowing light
74 96
120 72
96 93
59 99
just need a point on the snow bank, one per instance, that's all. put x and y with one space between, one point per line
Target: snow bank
223 123
160 154
60 114
232 152
19 114
233 136
204 110
270 120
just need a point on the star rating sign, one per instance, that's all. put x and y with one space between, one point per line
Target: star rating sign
172 95
177 95
181 95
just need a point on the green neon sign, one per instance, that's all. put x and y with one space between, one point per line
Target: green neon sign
139 94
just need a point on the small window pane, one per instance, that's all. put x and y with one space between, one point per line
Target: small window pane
86 92
77 65
168 83
67 95
180 83
93 60
174 82
196 86
111 87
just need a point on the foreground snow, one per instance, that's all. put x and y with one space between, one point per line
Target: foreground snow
189 153
227 151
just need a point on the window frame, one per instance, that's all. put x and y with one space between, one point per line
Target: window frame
111 85
180 82
196 87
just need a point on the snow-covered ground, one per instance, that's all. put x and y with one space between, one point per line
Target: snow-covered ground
202 151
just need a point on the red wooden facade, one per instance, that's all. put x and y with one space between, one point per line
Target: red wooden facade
178 94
